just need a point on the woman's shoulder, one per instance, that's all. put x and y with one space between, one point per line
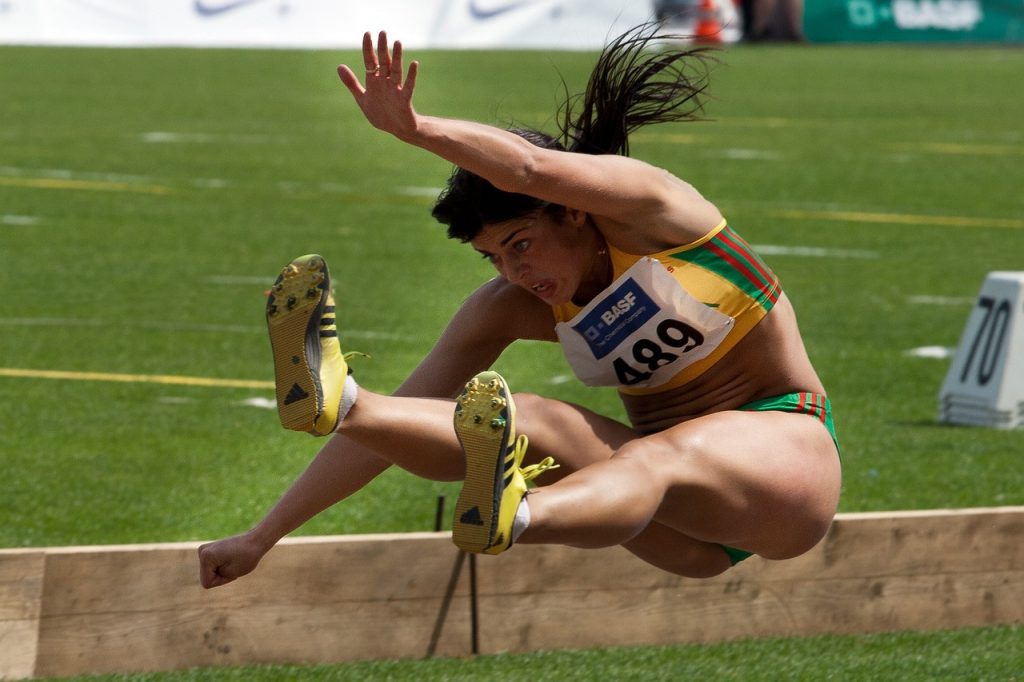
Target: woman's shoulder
672 213
655 233
510 310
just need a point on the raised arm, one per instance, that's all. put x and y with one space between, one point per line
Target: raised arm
625 191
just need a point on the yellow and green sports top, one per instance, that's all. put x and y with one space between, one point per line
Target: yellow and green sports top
669 316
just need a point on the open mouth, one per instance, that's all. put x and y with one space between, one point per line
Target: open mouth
543 289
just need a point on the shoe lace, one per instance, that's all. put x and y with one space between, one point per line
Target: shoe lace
534 470
353 353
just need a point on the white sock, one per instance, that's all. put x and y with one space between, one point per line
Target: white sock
349 393
522 520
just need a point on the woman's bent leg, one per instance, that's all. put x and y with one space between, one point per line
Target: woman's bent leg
416 434
766 482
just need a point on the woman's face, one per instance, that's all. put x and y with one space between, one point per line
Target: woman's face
551 257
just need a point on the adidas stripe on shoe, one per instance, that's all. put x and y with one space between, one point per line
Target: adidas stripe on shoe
310 370
495 480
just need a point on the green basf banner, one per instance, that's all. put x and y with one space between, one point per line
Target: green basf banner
965 21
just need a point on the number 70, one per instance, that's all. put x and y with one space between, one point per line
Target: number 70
990 336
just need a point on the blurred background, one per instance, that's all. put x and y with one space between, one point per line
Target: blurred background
570 24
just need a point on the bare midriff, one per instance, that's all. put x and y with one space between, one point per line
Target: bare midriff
770 360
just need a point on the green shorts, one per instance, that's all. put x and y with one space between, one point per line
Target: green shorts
813 404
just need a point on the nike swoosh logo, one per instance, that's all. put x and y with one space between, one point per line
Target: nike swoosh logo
485 13
204 9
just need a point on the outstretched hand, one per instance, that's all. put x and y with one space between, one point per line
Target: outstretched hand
385 100
226 560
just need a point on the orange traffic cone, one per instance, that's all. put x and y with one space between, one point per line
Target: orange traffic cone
708 28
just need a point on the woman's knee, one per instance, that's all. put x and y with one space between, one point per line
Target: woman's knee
538 417
537 412
573 435
674 464
801 536
532 408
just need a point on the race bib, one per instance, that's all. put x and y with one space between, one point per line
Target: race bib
641 331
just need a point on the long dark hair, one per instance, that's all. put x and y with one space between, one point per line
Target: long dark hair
632 85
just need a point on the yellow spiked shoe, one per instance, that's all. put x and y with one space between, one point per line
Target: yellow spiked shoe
495 479
310 370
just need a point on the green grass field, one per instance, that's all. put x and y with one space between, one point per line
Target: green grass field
149 197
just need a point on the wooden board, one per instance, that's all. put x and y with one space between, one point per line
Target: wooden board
319 601
21 583
872 573
69 611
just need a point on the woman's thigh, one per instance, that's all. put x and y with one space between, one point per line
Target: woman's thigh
766 482
575 436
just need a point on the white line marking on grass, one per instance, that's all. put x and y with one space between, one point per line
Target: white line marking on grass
931 352
736 154
560 379
167 137
431 192
940 300
210 183
158 136
67 174
257 402
262 403
18 220
812 251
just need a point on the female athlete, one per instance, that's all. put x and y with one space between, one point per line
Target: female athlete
729 450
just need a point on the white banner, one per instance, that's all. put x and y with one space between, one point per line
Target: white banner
567 24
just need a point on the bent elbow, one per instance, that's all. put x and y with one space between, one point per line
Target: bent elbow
520 178
523 171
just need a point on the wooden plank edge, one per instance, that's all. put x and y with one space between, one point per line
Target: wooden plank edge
16 668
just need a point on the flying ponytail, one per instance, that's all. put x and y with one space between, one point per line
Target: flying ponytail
632 85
